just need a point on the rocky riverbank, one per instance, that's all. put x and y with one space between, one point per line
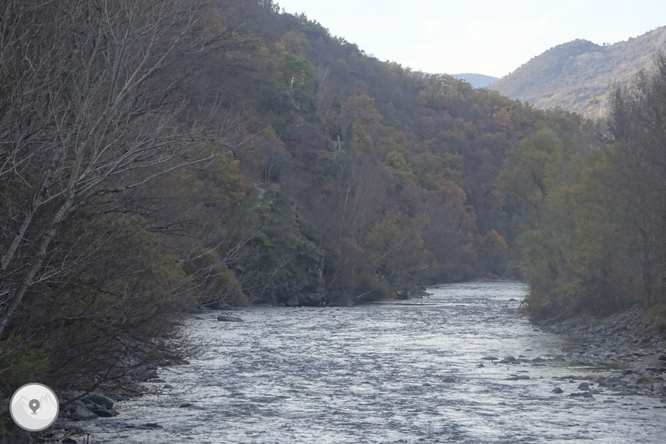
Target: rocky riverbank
631 343
77 407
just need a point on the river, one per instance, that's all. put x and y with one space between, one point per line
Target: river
393 372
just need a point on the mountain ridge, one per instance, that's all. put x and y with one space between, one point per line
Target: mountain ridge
576 75
475 79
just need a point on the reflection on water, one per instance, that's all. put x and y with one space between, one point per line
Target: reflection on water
394 372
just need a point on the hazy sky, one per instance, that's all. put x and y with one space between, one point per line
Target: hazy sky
491 37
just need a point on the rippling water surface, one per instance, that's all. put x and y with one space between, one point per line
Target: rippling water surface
398 372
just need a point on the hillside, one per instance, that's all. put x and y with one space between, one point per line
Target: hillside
241 156
576 75
476 80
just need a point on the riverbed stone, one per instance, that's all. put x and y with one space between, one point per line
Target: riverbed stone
517 378
581 395
557 390
225 318
104 413
79 413
144 373
100 400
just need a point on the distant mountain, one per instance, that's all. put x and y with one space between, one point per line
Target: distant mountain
577 75
476 80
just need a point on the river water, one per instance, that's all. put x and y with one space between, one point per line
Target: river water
395 372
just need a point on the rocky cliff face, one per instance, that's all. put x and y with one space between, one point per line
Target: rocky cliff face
577 75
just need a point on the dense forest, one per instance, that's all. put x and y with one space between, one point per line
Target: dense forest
158 157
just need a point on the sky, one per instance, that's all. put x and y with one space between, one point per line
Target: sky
492 37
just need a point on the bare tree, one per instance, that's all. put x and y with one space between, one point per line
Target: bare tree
87 108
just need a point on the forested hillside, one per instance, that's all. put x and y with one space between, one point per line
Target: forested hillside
162 156
592 216
579 75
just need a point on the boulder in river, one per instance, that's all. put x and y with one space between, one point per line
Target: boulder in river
150 425
173 361
78 411
645 380
224 318
558 390
104 413
581 395
100 400
517 378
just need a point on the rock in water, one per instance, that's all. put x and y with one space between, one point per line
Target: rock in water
517 378
78 412
223 318
558 390
100 400
581 395
103 413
